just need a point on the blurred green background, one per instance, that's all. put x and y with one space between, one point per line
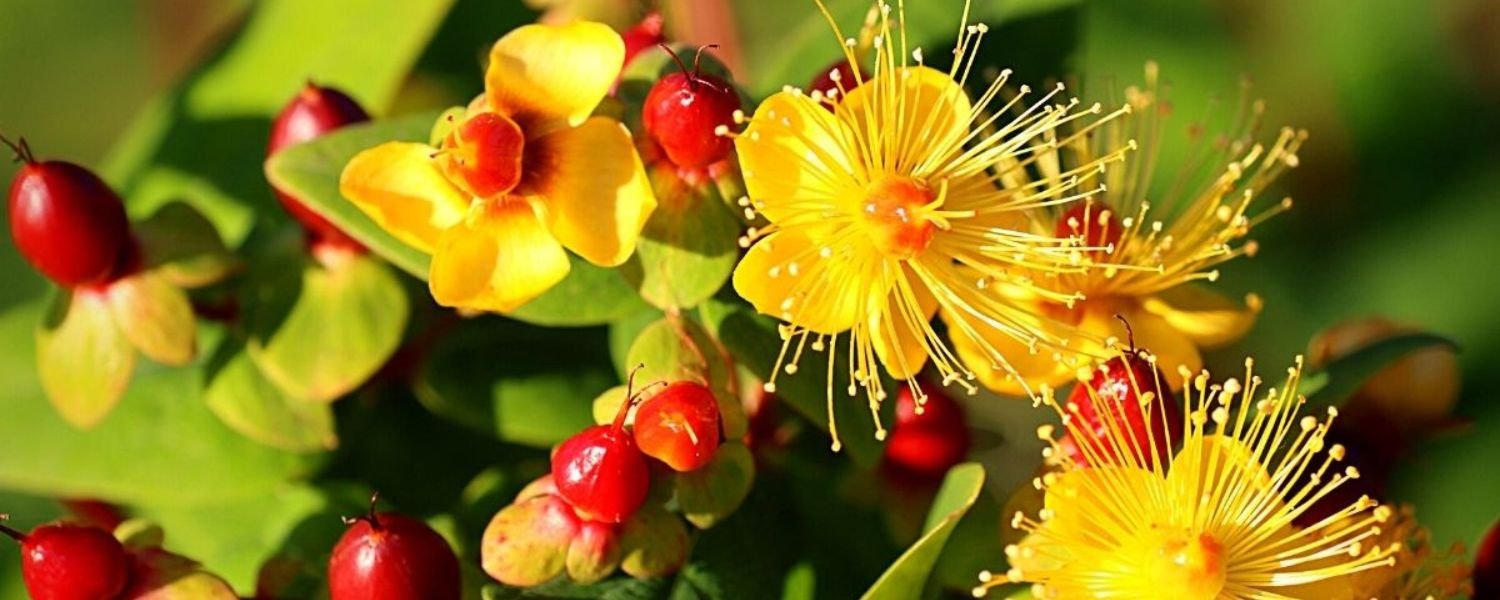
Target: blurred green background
1398 195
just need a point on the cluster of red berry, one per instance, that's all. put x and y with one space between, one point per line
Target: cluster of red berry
590 515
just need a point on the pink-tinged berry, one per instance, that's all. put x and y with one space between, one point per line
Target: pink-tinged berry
1128 399
601 472
313 113
71 562
679 426
687 113
643 35
927 439
388 556
66 221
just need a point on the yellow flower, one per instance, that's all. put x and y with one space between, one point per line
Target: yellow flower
884 210
1214 522
1421 573
524 174
1160 243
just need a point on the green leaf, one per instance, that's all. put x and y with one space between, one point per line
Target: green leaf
755 343
249 403
908 575
203 141
713 492
311 173
319 330
677 348
790 46
525 385
589 295
159 446
181 245
1341 378
688 247
84 359
156 317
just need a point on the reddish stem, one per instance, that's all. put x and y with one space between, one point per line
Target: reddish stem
13 534
21 148
1129 333
697 58
629 389
369 516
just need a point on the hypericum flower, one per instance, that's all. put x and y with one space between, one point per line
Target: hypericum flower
884 209
1421 573
1216 521
525 172
1162 242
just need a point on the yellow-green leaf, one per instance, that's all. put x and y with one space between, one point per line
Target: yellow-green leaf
714 492
181 245
84 359
156 317
249 403
908 575
677 348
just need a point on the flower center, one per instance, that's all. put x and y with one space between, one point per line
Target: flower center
893 214
483 155
1186 566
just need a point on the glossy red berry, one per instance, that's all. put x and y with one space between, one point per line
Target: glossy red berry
679 426
643 36
833 77
71 562
1487 565
601 472
66 221
1095 225
314 112
685 112
387 556
1114 411
928 440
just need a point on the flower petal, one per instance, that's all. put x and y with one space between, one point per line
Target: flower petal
914 126
898 324
793 152
1204 316
783 276
546 73
400 188
1046 366
595 190
497 259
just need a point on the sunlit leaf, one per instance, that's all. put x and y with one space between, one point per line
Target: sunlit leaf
249 403
908 575
84 359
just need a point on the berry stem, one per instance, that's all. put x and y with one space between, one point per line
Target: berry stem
629 386
369 516
13 534
21 148
697 58
1129 333
692 77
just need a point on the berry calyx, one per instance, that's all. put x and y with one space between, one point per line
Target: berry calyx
314 112
71 562
688 113
1126 399
930 435
679 426
1095 226
600 471
66 221
388 556
643 35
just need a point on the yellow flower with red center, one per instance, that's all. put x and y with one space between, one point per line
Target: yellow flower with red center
1159 244
1216 521
884 210
523 174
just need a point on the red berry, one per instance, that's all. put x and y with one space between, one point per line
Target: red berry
71 562
483 154
679 426
66 221
312 114
1120 384
925 444
1487 565
644 35
683 113
1093 223
388 556
832 77
601 472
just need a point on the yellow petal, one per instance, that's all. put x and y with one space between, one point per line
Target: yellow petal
596 193
497 259
783 276
1046 366
899 323
1205 317
400 188
1210 463
539 74
793 152
921 120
